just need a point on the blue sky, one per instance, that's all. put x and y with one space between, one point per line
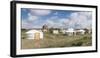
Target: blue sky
36 18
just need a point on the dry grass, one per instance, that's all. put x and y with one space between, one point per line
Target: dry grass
54 41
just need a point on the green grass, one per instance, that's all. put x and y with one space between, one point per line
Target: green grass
57 40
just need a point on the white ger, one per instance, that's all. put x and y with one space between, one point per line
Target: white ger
34 34
71 31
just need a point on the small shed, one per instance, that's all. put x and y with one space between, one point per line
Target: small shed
34 34
55 32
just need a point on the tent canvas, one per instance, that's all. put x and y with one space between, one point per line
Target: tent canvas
32 34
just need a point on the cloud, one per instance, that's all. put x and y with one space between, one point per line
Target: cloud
40 12
29 25
55 22
75 20
32 17
28 22
51 21
25 24
80 20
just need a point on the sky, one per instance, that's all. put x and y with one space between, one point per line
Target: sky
36 18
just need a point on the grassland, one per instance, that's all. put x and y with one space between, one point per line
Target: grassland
56 40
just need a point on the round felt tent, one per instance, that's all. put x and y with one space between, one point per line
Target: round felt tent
81 31
70 31
34 34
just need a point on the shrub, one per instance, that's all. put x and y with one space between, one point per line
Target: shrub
77 44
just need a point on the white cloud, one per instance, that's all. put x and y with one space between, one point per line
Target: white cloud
32 17
28 22
40 12
29 25
75 20
25 24
81 19
55 22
